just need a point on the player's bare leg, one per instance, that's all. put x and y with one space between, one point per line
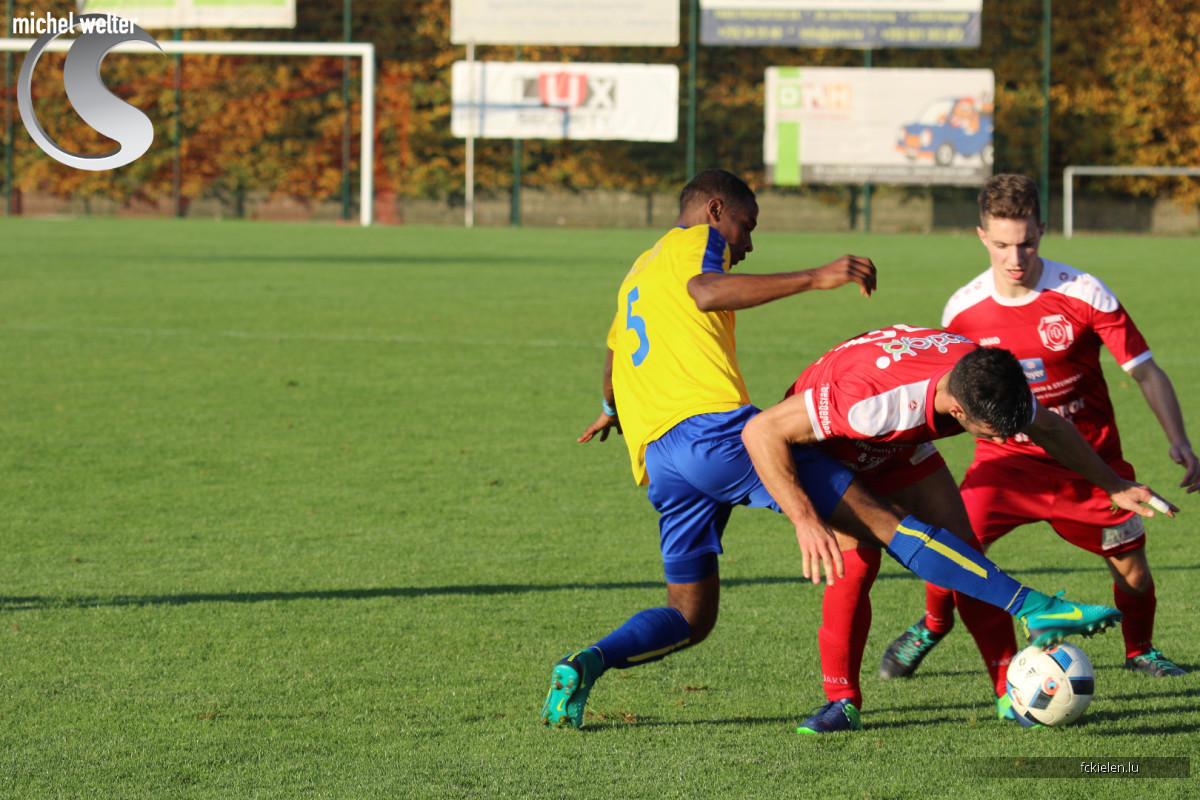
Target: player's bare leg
699 603
1130 571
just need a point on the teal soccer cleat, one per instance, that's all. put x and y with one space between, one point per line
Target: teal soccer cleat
571 682
904 655
1006 713
1048 620
1004 709
1154 663
834 716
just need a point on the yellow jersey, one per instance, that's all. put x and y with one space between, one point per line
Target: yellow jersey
671 360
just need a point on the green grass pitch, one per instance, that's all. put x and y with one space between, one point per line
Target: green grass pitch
298 512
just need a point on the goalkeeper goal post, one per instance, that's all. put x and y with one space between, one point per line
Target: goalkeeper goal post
363 51
1069 185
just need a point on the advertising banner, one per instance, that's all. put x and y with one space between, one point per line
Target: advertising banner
857 125
199 13
565 22
842 23
530 100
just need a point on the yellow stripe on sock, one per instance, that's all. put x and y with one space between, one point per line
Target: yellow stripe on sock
655 653
941 549
1013 600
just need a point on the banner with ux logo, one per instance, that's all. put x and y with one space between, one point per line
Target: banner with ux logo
91 99
634 102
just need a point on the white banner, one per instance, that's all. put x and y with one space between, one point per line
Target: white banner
565 22
858 125
199 13
531 100
881 6
861 24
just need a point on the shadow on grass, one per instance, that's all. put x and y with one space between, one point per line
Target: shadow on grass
36 602
1101 723
1155 722
607 723
1166 687
402 592
789 722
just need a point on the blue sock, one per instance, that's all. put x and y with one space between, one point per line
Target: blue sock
646 636
942 558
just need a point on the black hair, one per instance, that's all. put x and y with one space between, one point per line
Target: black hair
715 183
989 383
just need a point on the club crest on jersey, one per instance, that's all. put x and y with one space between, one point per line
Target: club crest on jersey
1057 332
1035 370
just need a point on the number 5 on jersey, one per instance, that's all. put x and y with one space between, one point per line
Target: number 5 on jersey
638 325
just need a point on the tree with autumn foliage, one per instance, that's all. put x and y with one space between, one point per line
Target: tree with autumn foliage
1147 95
1124 91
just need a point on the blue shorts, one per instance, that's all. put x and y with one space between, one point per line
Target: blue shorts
699 470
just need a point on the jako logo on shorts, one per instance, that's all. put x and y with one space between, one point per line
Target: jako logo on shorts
91 99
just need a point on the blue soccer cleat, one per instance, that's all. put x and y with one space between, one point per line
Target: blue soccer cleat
1048 620
571 682
834 716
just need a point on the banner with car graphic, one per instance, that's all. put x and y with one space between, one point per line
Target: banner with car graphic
546 100
859 125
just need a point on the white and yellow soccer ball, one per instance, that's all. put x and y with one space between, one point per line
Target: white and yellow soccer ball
1050 687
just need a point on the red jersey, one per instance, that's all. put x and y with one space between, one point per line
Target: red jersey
1056 331
871 398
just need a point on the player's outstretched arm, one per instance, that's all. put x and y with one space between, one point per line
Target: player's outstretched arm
1160 396
769 437
1065 444
606 422
731 291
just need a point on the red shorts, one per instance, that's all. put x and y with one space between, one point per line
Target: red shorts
1002 493
885 469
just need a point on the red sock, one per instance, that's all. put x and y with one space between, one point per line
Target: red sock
1137 619
845 623
993 631
939 609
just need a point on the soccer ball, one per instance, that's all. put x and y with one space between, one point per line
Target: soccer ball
1050 687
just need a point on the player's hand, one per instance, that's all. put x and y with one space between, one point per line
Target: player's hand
603 424
1134 495
819 551
846 269
1182 455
